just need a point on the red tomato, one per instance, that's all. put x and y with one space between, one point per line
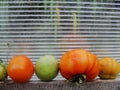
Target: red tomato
20 68
79 62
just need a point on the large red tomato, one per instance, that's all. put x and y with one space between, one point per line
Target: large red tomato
20 68
79 62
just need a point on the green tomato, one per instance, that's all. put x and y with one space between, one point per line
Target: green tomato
3 71
46 68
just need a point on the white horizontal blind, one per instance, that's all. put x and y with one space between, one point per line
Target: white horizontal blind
39 27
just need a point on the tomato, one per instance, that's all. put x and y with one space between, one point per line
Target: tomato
3 71
77 63
20 68
109 68
46 68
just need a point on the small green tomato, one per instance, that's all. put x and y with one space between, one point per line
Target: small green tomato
46 68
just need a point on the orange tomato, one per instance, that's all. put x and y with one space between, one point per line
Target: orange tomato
79 62
109 68
20 68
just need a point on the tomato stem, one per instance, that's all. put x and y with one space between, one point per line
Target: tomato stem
78 79
82 78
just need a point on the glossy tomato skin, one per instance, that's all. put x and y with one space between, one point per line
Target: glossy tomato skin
20 68
78 62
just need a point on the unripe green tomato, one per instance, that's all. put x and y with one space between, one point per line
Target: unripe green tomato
3 73
46 68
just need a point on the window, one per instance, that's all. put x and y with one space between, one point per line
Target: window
39 27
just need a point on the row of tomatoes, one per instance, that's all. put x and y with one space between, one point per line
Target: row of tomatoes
77 66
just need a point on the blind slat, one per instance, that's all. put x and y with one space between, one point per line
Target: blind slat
36 28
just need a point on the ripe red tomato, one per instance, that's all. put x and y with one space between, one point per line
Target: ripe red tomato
79 62
20 68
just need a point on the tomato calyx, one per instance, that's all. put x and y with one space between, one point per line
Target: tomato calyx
78 79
